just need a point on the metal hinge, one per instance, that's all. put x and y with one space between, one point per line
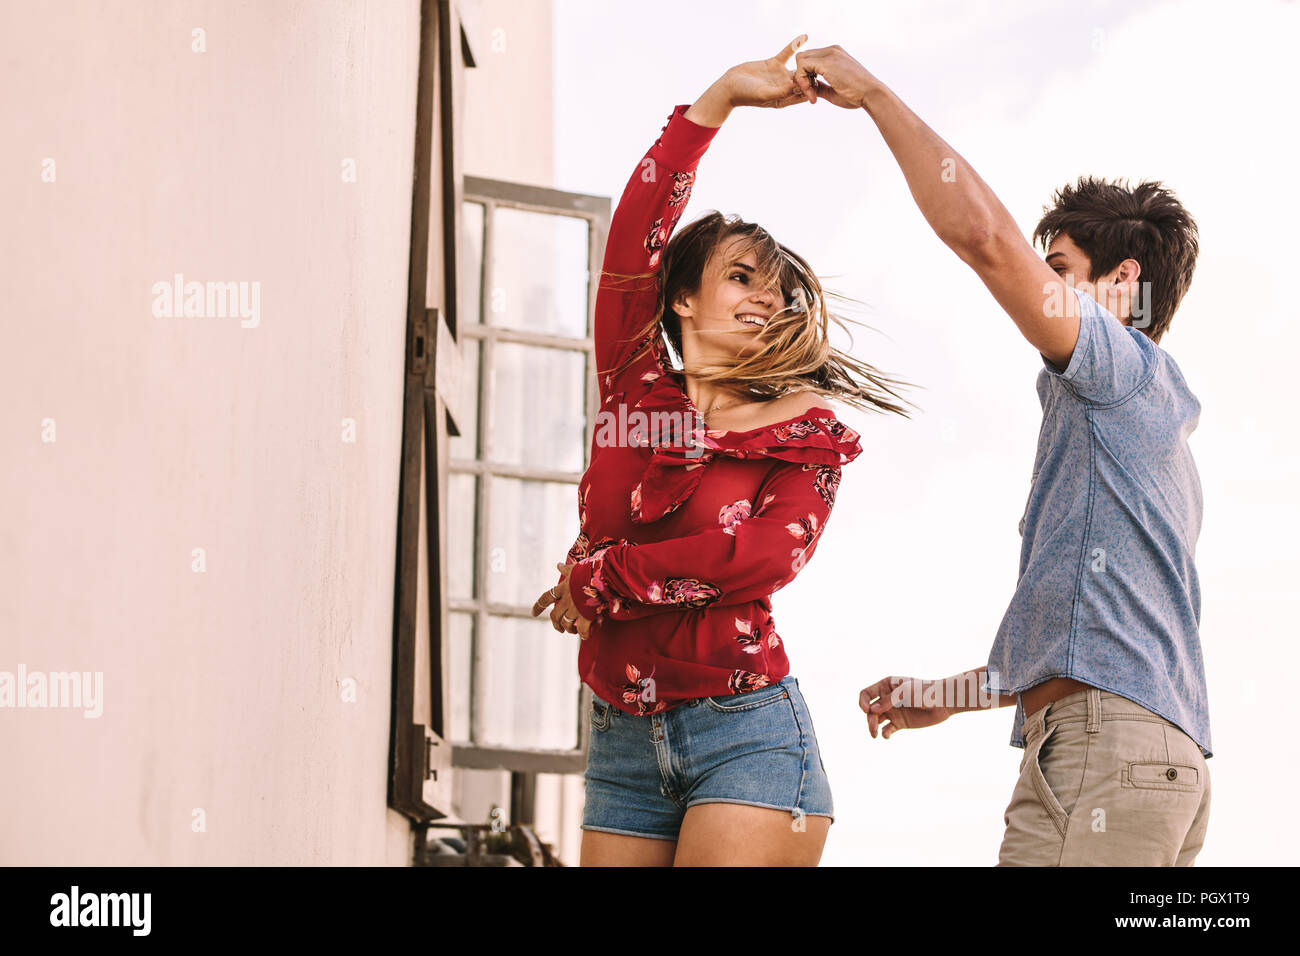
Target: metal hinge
430 771
417 349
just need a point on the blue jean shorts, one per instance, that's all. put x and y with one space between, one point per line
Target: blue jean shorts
756 748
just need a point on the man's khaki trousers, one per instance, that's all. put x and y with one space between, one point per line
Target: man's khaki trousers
1105 782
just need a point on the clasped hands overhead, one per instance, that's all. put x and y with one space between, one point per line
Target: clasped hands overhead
827 73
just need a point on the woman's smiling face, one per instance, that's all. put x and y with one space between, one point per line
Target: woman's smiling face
724 319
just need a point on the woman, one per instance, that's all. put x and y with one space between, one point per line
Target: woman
702 750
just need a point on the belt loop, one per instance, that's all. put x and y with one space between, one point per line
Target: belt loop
1035 726
1094 710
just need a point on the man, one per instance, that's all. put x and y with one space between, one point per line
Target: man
1099 649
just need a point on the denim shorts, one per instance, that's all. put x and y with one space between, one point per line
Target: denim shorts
756 748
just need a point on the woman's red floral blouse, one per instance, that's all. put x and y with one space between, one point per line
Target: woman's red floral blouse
685 532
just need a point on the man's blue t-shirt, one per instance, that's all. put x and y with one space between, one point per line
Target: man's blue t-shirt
1108 592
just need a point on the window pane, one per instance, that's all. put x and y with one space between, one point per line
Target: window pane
465 445
462 509
471 262
532 527
530 685
539 272
461 650
538 409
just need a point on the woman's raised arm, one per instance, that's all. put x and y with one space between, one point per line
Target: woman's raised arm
655 197
647 212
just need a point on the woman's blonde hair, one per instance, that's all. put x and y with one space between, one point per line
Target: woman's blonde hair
797 354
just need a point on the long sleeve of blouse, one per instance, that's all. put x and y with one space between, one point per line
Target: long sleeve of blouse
685 532
755 548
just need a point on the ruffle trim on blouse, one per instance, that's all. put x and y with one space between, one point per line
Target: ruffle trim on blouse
681 453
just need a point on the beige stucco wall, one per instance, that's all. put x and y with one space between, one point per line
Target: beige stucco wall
509 117
221 688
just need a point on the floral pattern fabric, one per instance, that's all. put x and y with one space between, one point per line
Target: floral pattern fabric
685 531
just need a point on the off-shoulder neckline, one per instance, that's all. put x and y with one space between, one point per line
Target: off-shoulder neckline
805 414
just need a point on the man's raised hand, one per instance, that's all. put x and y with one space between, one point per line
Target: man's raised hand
843 80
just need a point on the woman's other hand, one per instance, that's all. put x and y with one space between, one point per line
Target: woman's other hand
564 616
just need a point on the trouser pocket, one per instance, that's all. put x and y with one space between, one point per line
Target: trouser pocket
1038 780
1161 776
601 714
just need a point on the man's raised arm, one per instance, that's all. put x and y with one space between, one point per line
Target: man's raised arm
957 204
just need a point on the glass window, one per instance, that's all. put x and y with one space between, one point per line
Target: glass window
523 413
466 444
538 416
471 263
539 272
532 526
462 514
460 673
528 685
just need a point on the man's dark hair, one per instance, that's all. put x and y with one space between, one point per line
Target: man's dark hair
1112 222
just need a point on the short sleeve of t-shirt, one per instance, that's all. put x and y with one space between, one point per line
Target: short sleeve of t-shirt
1110 359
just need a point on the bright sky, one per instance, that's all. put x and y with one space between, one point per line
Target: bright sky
921 554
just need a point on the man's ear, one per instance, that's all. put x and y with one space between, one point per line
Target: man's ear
1124 278
1127 272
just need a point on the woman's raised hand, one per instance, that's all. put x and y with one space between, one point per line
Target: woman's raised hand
767 82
